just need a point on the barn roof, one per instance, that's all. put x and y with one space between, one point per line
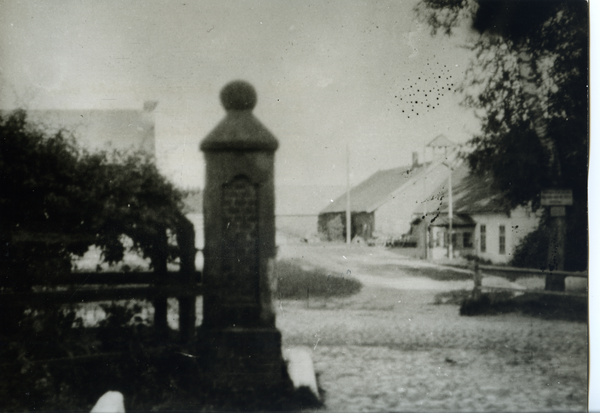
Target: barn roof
375 190
459 220
471 194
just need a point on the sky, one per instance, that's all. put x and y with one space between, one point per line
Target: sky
328 74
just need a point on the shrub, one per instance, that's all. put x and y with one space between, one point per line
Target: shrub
532 251
554 307
476 258
58 200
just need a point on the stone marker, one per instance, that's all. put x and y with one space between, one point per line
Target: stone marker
238 334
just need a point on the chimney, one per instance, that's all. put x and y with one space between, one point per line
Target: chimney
415 160
150 105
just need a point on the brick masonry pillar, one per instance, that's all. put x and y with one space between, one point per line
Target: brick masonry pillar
238 333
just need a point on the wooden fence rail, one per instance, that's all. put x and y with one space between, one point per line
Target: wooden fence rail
155 286
523 272
532 271
114 286
112 278
98 294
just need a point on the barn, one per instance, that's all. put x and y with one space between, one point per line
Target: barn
382 206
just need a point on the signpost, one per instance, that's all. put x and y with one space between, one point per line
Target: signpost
558 211
557 197
557 200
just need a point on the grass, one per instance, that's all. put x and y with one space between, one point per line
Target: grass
297 282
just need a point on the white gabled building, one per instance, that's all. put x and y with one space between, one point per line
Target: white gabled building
482 224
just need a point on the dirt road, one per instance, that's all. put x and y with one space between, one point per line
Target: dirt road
389 348
380 267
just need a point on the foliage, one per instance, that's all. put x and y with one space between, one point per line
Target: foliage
528 84
58 199
477 258
295 282
532 251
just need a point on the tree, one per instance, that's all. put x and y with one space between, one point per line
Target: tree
58 199
528 85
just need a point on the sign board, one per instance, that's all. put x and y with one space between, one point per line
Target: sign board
558 197
558 211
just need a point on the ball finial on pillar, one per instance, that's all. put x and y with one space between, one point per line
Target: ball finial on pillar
238 95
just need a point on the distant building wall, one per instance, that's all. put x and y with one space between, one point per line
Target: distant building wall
516 226
122 129
463 241
362 224
487 239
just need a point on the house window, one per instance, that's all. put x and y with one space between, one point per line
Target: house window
467 240
482 241
438 239
502 240
453 239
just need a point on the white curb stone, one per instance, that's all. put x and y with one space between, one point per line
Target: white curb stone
300 368
110 402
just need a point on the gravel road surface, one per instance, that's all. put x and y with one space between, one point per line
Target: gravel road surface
390 348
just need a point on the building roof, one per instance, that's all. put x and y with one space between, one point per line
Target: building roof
471 194
458 220
441 141
103 129
376 190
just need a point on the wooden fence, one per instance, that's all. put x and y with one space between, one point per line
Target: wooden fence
156 286
513 273
94 286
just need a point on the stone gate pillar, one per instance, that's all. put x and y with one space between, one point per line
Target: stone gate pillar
238 334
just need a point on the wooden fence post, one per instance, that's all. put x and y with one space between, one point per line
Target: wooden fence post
187 254
556 254
159 262
477 278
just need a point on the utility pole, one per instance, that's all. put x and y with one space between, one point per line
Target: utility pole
348 217
442 142
450 207
425 218
450 216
